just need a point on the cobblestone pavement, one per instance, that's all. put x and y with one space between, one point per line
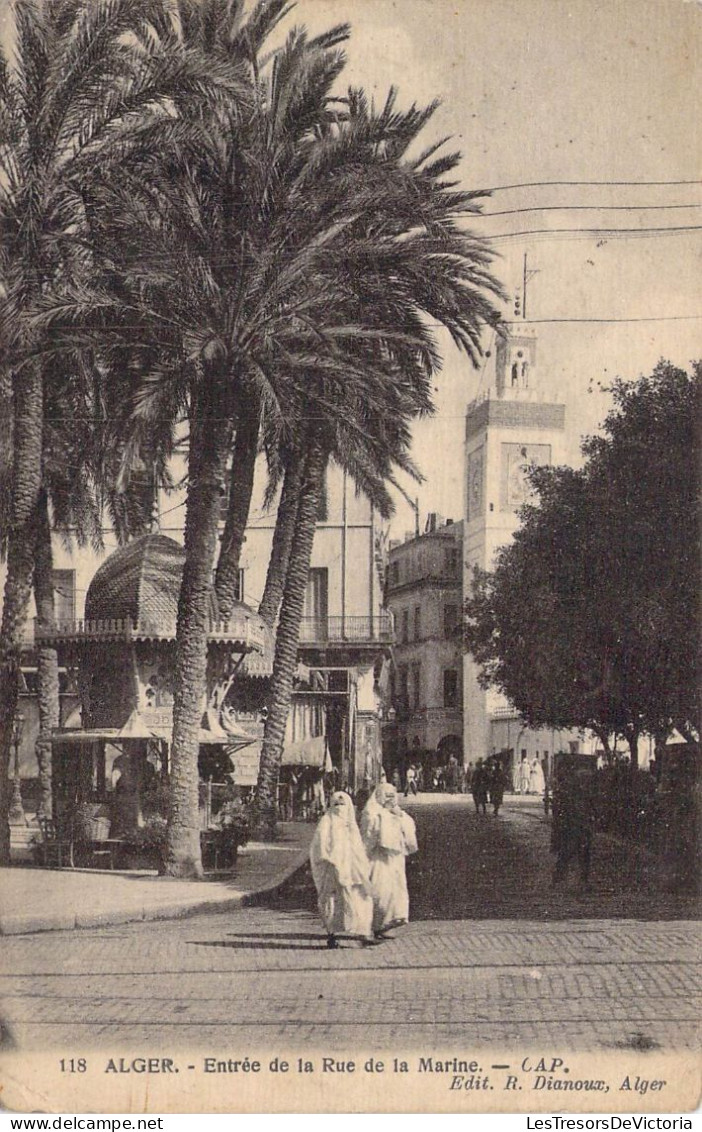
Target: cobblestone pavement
525 970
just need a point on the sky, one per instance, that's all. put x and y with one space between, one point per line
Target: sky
543 91
556 90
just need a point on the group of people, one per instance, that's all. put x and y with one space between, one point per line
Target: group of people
360 874
449 778
530 777
488 782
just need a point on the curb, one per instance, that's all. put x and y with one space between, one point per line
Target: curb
70 921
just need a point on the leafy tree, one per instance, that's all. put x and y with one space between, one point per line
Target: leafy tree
644 475
589 618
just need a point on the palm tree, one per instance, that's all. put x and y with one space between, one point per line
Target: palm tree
252 252
283 532
406 259
72 100
187 230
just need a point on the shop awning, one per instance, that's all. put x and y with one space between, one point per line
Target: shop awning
137 729
94 735
305 752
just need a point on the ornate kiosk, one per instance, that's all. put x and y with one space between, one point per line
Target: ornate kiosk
110 774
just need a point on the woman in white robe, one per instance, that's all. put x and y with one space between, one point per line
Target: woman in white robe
389 835
537 783
341 873
523 776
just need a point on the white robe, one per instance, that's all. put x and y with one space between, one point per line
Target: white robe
523 777
340 871
537 784
389 837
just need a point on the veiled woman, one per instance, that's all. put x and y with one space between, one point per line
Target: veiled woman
523 776
389 835
341 873
537 783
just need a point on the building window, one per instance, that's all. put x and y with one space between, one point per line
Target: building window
416 685
240 584
315 610
323 502
64 582
405 625
403 687
239 594
450 620
395 573
417 622
453 561
450 688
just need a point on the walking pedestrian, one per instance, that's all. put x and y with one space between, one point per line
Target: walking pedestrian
341 873
479 787
523 776
537 784
452 775
496 785
389 836
411 780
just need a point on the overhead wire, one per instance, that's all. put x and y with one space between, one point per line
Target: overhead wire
585 208
611 184
607 233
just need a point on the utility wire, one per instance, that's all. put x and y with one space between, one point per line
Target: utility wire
613 184
663 318
585 208
609 233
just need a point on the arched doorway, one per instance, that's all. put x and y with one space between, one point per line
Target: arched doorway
451 746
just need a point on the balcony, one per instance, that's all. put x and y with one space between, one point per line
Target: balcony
346 630
246 629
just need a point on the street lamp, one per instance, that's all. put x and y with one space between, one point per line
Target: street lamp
16 815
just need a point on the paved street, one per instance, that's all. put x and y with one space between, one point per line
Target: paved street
492 957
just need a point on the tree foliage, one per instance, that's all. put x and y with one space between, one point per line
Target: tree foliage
201 239
590 616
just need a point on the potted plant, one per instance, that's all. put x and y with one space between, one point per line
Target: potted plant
145 845
221 844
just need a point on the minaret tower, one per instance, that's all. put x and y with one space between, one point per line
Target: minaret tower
510 428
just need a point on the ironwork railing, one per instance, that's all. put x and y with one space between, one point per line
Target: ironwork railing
354 630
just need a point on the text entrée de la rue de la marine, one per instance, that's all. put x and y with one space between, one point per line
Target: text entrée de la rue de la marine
537 1074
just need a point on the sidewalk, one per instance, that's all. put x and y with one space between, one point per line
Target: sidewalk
38 900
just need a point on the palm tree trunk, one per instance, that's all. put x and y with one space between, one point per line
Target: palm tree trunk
26 483
282 542
287 637
210 441
49 703
240 491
